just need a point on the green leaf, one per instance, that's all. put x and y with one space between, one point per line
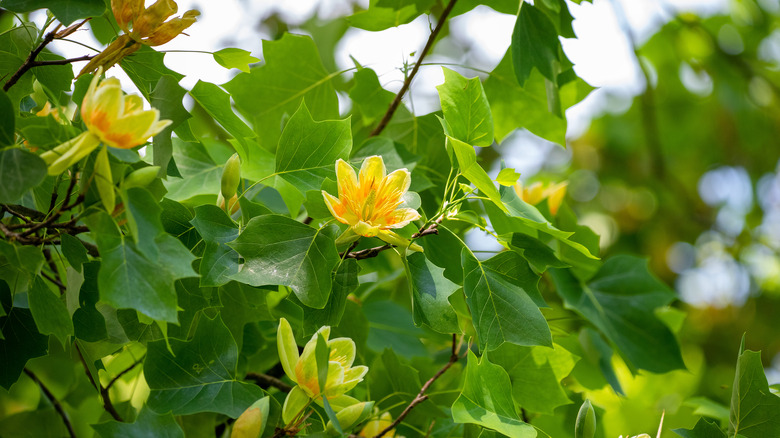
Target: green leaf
57 79
486 400
507 177
467 162
20 339
145 68
534 44
279 250
235 58
345 281
706 407
536 373
216 102
7 124
20 171
430 294
537 253
466 109
74 251
619 301
267 93
200 174
126 268
308 150
148 424
755 411
502 309
243 304
508 99
598 352
368 96
67 11
702 429
219 261
167 97
384 14
49 311
200 375
88 322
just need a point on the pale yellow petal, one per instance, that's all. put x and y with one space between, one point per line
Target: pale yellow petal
365 229
555 196
342 350
336 208
346 179
401 217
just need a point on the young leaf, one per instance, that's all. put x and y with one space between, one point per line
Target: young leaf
280 250
486 400
755 412
235 58
467 161
466 109
199 375
507 177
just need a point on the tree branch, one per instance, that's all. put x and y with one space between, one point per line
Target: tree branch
373 252
421 397
397 101
123 372
265 381
57 406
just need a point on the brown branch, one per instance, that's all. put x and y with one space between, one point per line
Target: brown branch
265 381
373 252
397 101
421 397
30 62
57 406
123 372
103 391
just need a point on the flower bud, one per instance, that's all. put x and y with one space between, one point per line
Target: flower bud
252 421
231 176
350 417
141 177
585 425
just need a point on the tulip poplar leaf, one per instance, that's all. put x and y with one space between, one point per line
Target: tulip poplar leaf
235 58
66 11
755 411
486 400
19 171
430 293
467 162
20 340
267 93
502 309
280 250
619 301
49 311
466 109
219 261
200 375
703 429
147 425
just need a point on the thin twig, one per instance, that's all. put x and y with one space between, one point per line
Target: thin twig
265 381
373 252
123 372
102 391
54 401
421 397
28 63
397 101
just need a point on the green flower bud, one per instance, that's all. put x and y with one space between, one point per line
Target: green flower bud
350 417
141 177
585 425
231 176
252 421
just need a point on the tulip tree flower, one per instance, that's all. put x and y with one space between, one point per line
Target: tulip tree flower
378 424
304 370
537 192
369 202
142 26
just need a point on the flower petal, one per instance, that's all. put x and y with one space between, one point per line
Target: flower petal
336 207
295 402
401 217
342 350
288 349
372 172
346 179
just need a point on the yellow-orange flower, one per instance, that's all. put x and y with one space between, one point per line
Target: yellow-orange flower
111 118
369 202
537 192
141 26
118 120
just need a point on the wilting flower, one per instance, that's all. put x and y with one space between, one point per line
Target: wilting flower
369 202
537 192
303 370
112 118
141 26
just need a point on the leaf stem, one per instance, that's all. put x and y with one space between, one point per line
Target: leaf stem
397 101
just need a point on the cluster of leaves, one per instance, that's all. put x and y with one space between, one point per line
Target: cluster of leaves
160 316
